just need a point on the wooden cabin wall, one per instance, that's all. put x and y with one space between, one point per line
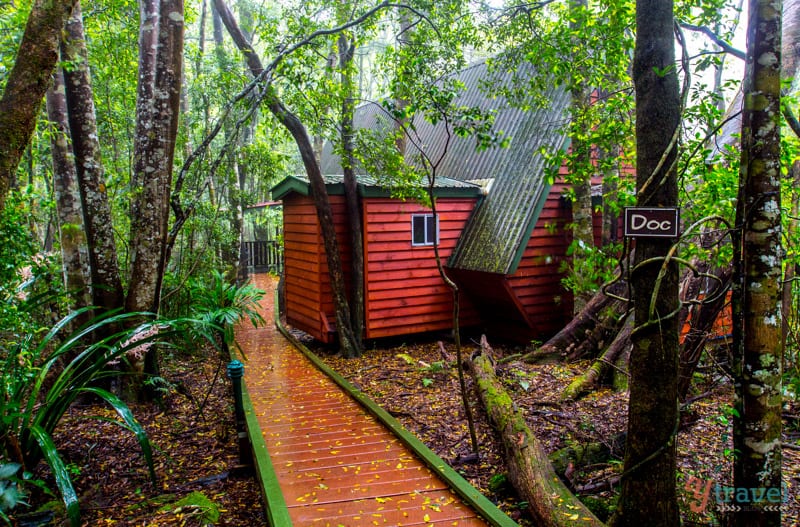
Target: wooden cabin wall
306 282
537 281
405 293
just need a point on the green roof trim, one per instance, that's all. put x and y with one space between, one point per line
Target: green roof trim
537 210
369 187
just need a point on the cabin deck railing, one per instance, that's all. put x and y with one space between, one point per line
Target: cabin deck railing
264 255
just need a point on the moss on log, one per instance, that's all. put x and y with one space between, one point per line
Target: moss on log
530 471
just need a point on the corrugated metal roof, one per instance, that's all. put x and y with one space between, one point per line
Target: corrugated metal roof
495 237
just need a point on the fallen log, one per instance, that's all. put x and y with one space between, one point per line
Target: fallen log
597 323
579 456
590 379
530 472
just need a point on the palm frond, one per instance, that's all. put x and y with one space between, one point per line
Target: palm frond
61 474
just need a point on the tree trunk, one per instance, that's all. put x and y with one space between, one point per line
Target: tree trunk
701 321
757 434
158 109
586 333
581 170
106 283
648 495
72 237
592 377
549 500
27 84
346 52
319 193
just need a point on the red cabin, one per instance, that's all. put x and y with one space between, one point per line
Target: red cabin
501 230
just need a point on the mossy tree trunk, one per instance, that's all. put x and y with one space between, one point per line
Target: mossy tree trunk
757 428
97 220
72 237
157 112
27 83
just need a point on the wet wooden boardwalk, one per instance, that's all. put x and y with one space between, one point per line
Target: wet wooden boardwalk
336 464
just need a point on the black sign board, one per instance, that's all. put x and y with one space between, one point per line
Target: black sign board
652 222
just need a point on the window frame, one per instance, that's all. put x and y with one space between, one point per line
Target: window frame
427 218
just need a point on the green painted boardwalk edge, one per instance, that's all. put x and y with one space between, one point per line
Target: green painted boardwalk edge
274 504
457 483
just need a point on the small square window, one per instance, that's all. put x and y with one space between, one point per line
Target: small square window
424 229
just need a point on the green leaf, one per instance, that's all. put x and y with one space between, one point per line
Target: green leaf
60 473
8 470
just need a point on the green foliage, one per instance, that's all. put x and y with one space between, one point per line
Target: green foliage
43 374
596 267
11 493
16 243
220 305
197 505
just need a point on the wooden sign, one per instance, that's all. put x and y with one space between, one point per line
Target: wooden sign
652 222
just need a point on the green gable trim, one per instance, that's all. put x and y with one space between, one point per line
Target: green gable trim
369 188
537 211
287 186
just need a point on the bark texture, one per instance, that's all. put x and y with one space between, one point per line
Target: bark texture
530 471
74 250
357 301
157 112
588 331
757 436
28 82
701 321
648 494
106 283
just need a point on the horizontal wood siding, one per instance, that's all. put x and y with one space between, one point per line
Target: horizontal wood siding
307 284
343 240
405 293
302 287
537 281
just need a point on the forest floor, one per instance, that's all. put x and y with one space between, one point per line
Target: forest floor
196 450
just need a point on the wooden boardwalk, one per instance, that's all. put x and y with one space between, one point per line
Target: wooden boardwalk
335 464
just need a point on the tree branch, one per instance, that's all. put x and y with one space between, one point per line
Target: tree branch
727 48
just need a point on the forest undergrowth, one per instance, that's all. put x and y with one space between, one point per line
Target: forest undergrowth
201 483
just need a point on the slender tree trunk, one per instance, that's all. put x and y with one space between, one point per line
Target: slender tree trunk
319 193
158 109
581 170
106 283
72 237
759 395
27 84
648 495
346 51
